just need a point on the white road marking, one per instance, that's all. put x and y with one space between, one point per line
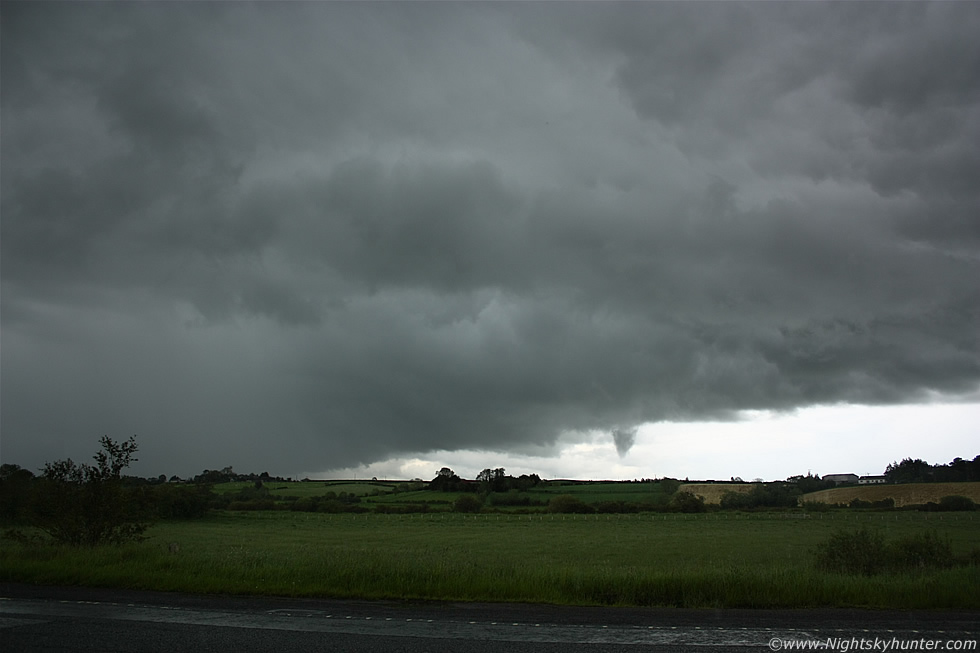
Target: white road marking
14 612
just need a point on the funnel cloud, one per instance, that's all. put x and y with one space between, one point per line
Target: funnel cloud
624 439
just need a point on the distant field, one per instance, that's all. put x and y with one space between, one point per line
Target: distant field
650 494
904 495
385 492
710 560
713 492
310 488
598 491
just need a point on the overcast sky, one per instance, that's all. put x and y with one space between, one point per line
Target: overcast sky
599 240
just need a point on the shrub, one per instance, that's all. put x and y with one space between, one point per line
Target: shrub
87 504
616 507
735 501
512 498
467 503
921 551
253 504
567 504
401 508
956 503
883 504
853 552
866 552
686 502
669 485
815 506
182 502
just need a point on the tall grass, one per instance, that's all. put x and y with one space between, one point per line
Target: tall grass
752 562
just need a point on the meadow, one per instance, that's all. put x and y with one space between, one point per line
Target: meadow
712 560
903 495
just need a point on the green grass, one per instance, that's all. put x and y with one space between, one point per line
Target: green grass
596 492
279 489
714 560
383 492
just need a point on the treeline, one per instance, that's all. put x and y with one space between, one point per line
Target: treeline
26 498
919 471
489 480
91 504
228 475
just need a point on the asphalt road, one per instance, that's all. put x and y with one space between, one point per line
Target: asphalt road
42 619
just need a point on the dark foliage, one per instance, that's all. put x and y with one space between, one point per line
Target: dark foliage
921 551
669 485
919 471
865 552
686 502
617 507
810 483
88 504
513 498
15 493
950 504
180 501
566 503
853 552
467 503
762 495
446 480
883 504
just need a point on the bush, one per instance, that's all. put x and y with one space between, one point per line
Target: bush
401 508
815 506
853 552
735 501
512 498
467 503
956 503
686 502
181 501
616 507
883 504
921 551
253 504
88 505
567 504
866 552
669 485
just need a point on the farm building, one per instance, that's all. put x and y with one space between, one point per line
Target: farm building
838 479
872 480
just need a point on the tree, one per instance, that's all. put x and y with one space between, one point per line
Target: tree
810 483
909 471
485 479
15 492
493 480
446 480
88 505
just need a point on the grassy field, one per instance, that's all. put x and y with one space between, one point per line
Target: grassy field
393 493
707 560
280 489
595 492
907 494
713 492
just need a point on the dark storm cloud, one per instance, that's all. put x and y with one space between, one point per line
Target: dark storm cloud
301 237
